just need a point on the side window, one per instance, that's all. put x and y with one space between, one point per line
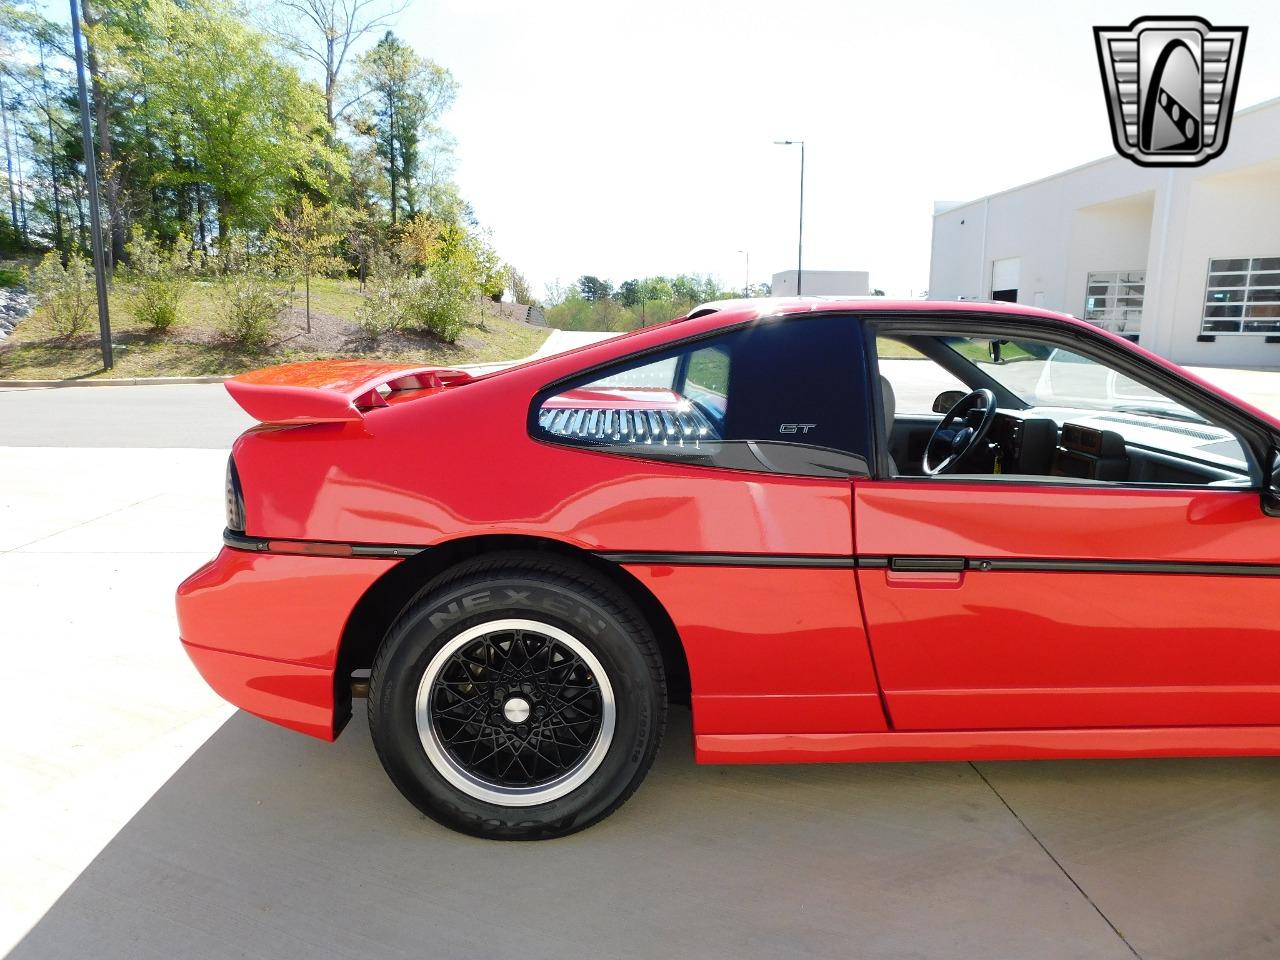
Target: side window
917 381
779 395
1059 414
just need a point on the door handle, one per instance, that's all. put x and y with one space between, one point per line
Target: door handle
926 564
925 572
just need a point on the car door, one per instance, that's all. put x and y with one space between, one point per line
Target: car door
1007 602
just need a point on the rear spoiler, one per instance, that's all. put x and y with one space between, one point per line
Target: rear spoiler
331 391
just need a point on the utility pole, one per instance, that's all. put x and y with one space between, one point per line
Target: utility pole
800 242
746 273
91 178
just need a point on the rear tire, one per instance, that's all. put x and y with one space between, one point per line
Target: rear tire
520 698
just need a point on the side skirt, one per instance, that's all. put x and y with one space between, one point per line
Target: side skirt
916 746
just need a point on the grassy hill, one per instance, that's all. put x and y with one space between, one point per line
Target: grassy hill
196 346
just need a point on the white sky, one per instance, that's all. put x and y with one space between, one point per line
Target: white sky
624 139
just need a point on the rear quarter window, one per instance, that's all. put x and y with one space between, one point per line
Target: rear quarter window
776 395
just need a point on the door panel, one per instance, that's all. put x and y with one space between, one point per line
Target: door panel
1072 607
909 437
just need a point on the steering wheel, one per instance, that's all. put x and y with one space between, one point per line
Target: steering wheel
961 430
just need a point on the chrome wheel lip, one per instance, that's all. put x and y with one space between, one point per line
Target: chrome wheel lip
461 778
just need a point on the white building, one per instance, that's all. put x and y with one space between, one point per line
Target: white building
1185 260
823 283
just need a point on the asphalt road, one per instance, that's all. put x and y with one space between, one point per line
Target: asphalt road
185 415
199 416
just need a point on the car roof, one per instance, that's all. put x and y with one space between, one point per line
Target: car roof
771 306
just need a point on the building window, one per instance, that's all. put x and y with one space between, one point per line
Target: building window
1113 301
1242 296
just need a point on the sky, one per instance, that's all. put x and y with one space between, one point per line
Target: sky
627 139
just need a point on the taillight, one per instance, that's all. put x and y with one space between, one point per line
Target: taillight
235 499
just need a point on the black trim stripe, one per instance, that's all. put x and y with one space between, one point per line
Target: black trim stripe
904 563
1182 567
730 559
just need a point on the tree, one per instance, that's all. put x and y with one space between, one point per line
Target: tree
247 126
593 289
94 20
14 219
304 247
629 292
364 241
322 32
491 273
519 286
401 95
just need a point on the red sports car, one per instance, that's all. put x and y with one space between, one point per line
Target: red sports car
841 530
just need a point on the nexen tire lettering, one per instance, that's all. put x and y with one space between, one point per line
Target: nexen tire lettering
472 603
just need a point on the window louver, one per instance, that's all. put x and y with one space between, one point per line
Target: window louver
609 426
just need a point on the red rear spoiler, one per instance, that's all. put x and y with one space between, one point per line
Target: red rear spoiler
328 391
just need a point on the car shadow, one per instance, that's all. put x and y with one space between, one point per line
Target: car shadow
268 844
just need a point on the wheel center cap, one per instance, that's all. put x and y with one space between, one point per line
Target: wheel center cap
516 710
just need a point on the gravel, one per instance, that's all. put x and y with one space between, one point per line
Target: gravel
15 304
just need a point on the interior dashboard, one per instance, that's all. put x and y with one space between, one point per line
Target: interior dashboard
1083 445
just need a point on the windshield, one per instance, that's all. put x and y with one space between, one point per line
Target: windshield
1042 375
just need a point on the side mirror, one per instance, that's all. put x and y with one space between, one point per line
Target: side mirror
1271 486
947 399
994 350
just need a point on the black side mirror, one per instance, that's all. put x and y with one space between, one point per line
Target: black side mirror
1271 486
947 399
994 350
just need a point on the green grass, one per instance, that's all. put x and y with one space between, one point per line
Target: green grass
12 276
194 347
975 350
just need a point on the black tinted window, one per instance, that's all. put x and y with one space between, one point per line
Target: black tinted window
786 396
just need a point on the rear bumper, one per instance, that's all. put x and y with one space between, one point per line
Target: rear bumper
290 694
264 630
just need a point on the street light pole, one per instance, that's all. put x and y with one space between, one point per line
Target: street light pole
746 273
91 178
800 242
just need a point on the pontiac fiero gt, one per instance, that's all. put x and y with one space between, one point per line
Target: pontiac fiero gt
840 530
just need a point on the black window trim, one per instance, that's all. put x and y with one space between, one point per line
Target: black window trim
859 468
1259 437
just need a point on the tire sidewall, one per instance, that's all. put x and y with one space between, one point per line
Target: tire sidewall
433 622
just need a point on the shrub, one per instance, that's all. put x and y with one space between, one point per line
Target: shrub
156 303
68 295
159 281
438 302
382 309
251 310
11 277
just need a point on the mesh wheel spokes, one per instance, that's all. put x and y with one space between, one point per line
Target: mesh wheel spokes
478 698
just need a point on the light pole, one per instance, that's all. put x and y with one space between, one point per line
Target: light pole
746 273
800 243
91 178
